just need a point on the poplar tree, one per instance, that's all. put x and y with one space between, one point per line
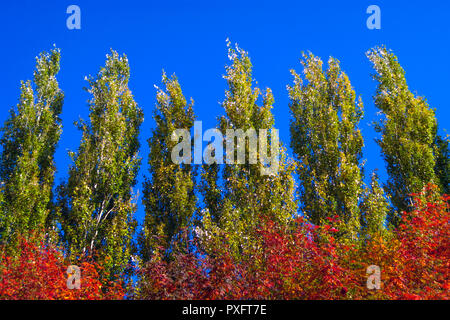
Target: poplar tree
374 211
408 129
169 199
1 209
239 197
29 139
442 167
97 202
327 142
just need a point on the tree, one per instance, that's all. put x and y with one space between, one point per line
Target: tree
327 143
442 167
169 199
30 136
374 211
240 193
96 202
408 129
2 214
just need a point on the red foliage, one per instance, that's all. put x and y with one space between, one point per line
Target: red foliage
300 265
192 276
310 263
39 272
305 262
422 258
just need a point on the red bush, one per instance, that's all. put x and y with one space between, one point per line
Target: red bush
309 263
39 272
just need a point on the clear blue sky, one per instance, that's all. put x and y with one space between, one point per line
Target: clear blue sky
188 38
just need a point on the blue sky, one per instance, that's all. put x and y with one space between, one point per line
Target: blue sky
188 38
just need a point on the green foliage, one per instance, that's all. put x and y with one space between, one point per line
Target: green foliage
442 167
408 130
169 199
96 202
29 139
327 143
239 196
374 211
1 200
